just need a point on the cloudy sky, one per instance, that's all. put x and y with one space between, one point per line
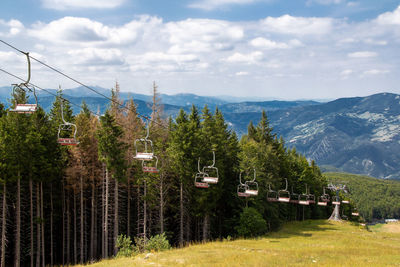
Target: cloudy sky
303 49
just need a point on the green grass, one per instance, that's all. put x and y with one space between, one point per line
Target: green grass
319 243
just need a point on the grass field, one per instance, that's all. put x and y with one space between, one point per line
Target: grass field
310 243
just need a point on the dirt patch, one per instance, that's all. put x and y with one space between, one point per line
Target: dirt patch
391 228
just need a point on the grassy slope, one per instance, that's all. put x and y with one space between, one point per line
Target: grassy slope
321 243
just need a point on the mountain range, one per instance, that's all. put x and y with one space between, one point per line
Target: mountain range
358 135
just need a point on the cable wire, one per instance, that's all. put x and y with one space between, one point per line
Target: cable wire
62 98
80 83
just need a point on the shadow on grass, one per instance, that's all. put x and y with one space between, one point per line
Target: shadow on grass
303 229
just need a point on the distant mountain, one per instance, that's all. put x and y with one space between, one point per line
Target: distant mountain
357 135
246 107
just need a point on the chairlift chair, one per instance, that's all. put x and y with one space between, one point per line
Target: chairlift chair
25 108
252 186
303 199
211 173
241 188
284 195
336 200
323 199
150 169
272 196
345 201
355 213
144 154
198 179
66 127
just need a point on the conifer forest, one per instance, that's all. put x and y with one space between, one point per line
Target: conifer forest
65 204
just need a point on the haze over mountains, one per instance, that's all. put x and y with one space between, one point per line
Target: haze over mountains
357 135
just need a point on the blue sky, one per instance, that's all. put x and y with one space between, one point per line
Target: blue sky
299 49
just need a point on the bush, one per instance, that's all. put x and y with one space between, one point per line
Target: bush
124 245
155 243
251 223
158 243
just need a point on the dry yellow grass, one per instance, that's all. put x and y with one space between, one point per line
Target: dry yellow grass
310 243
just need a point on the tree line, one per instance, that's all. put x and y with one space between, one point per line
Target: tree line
68 204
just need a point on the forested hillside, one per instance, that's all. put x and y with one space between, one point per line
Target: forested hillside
63 204
374 198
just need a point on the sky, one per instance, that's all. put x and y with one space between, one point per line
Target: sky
293 49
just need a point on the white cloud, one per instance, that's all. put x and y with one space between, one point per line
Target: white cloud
287 24
97 56
84 30
389 17
79 4
242 73
202 35
250 58
263 43
375 72
325 2
362 54
216 4
353 4
375 42
346 72
10 28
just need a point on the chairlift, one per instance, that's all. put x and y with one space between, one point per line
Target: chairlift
66 127
323 199
304 198
25 108
210 173
294 198
252 186
198 179
336 200
311 199
345 201
355 213
272 196
284 195
144 154
150 169
241 188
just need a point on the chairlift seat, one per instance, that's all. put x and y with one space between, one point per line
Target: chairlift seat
284 199
150 169
201 185
322 203
355 214
335 202
345 202
210 180
304 202
251 192
144 156
25 108
67 141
